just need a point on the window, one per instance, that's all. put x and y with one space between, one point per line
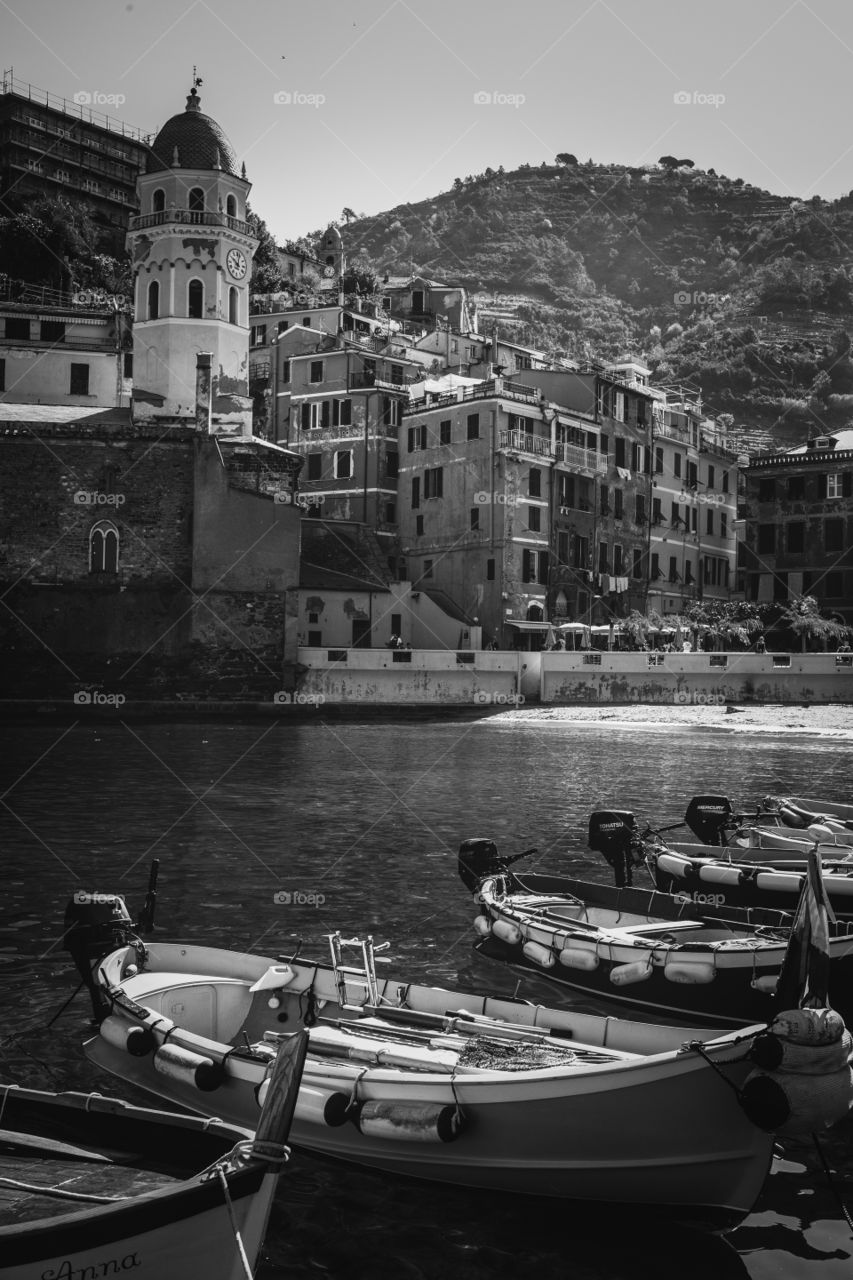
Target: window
675 515
580 552
603 557
673 568
196 201
52 331
285 372
534 483
619 447
79 380
657 512
724 525
834 585
343 464
796 535
725 481
543 559
796 488
475 518
563 548
636 456
158 201
315 373
325 414
315 639
694 520
392 464
444 432
195 299
2 375
604 498
659 459
103 548
346 413
709 520
153 300
490 570
427 569
839 485
528 566
833 535
396 374
767 491
640 508
617 503
676 464
711 476
766 539
231 206
390 512
534 519
315 466
473 426
618 562
655 572
416 492
16 327
692 475
233 306
417 437
306 322
419 526
434 482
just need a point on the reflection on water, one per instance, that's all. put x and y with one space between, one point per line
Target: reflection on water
359 824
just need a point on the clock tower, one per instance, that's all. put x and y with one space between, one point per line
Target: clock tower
192 255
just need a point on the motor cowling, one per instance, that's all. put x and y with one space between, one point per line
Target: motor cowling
478 859
708 817
612 832
95 925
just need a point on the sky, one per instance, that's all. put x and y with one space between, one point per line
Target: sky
371 104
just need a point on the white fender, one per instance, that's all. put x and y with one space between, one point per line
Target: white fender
482 926
718 874
507 932
622 975
698 971
128 1036
578 958
541 954
767 984
188 1068
313 1106
410 1122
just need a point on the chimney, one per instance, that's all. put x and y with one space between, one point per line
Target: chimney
202 393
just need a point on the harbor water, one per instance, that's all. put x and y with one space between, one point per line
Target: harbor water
268 833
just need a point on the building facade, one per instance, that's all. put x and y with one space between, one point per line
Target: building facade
798 536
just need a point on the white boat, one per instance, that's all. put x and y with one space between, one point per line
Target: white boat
93 1187
436 1084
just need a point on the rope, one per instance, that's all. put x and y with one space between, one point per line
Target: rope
830 1181
73 996
238 1239
61 1195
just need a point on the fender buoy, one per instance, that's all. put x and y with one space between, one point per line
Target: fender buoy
622 975
411 1122
685 972
541 954
506 932
578 958
131 1037
482 926
313 1106
189 1068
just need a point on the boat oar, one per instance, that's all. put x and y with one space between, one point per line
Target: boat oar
50 1147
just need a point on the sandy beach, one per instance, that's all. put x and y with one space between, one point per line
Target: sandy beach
834 721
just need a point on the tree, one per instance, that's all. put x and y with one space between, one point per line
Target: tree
53 242
805 619
566 157
267 275
669 162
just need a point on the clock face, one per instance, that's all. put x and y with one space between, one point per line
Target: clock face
328 271
236 263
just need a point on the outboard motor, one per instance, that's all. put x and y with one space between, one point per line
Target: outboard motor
95 925
614 833
478 859
709 817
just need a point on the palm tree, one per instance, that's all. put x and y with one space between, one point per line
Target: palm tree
805 619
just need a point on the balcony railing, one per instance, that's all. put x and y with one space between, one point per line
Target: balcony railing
524 442
498 388
580 459
192 218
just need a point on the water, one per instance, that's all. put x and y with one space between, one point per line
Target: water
369 817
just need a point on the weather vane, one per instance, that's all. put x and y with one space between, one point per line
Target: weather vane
197 80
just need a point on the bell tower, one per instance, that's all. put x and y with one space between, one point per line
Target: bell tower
192 254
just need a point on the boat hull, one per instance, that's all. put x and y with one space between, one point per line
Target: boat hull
738 883
662 1131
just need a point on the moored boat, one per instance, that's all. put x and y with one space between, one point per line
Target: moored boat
91 1186
679 956
738 882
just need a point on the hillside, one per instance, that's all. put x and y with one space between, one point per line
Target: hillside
714 282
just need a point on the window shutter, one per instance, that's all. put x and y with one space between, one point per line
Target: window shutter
821 486
306 415
847 484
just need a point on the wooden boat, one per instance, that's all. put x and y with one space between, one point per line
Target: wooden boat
437 1084
713 820
92 1187
681 956
738 882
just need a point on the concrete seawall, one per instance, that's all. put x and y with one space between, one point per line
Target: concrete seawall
475 678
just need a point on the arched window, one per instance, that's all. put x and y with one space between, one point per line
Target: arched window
158 200
534 613
330 261
233 306
154 300
103 547
231 206
196 198
195 300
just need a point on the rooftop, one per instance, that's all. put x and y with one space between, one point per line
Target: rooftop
191 140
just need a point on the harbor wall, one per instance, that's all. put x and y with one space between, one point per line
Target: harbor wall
504 678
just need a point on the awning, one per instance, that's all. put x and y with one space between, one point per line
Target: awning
530 626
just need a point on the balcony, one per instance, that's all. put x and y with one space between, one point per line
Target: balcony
497 388
523 442
579 459
191 218
372 381
322 435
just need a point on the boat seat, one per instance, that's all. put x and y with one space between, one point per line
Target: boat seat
664 926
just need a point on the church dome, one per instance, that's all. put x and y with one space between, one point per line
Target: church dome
191 140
